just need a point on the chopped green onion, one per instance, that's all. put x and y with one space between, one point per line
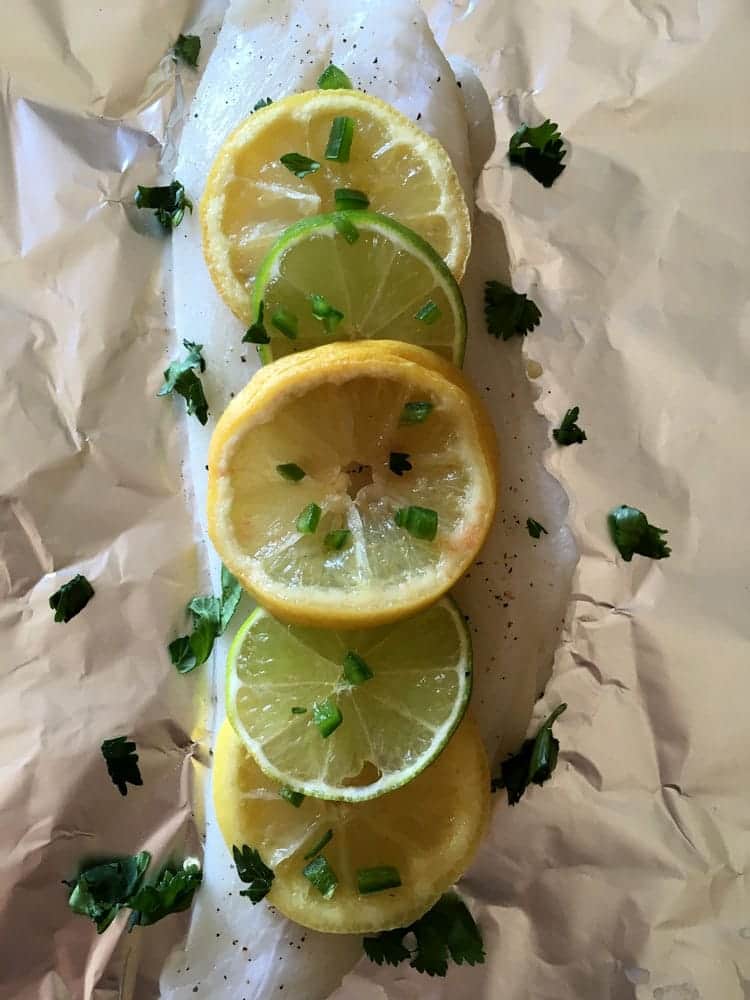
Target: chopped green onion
262 103
299 164
377 879
298 710
333 78
286 322
187 48
416 413
398 463
347 198
291 471
325 312
337 539
289 795
340 140
308 521
327 717
429 313
320 874
356 671
256 334
421 522
318 847
347 229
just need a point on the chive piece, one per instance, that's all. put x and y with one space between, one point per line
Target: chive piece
307 522
298 710
299 164
318 847
291 471
337 539
286 322
262 103
340 140
429 313
320 874
256 334
347 229
333 78
187 48
325 312
416 413
289 795
356 671
327 717
421 522
348 198
398 463
377 879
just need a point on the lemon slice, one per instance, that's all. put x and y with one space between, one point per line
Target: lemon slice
251 197
382 441
378 278
349 715
428 831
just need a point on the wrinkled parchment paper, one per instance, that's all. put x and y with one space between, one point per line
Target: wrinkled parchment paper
624 876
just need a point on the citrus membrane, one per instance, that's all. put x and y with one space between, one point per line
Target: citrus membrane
428 831
380 279
394 695
396 451
251 196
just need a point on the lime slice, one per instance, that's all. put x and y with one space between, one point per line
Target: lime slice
356 275
428 831
379 704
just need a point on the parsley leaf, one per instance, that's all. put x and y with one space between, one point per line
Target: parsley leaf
299 164
257 333
122 763
252 869
398 463
539 151
171 893
508 313
101 891
633 535
187 48
211 616
262 103
182 378
534 762
333 78
534 528
168 201
71 598
569 432
446 931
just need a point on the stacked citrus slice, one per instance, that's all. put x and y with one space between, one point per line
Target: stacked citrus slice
351 483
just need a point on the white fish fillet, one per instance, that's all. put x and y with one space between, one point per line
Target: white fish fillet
272 48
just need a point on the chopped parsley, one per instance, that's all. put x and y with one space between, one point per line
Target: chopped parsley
101 891
291 471
252 870
337 539
298 710
569 432
633 535
211 616
257 333
416 413
325 312
183 377
264 102
356 670
299 164
286 322
309 519
508 313
319 845
122 763
534 528
398 463
327 717
172 893
447 931
289 795
350 198
539 151
340 139
429 313
421 522
168 202
333 78
534 762
71 598
187 48
319 873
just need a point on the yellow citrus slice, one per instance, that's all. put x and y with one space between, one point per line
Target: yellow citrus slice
251 196
428 831
352 484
